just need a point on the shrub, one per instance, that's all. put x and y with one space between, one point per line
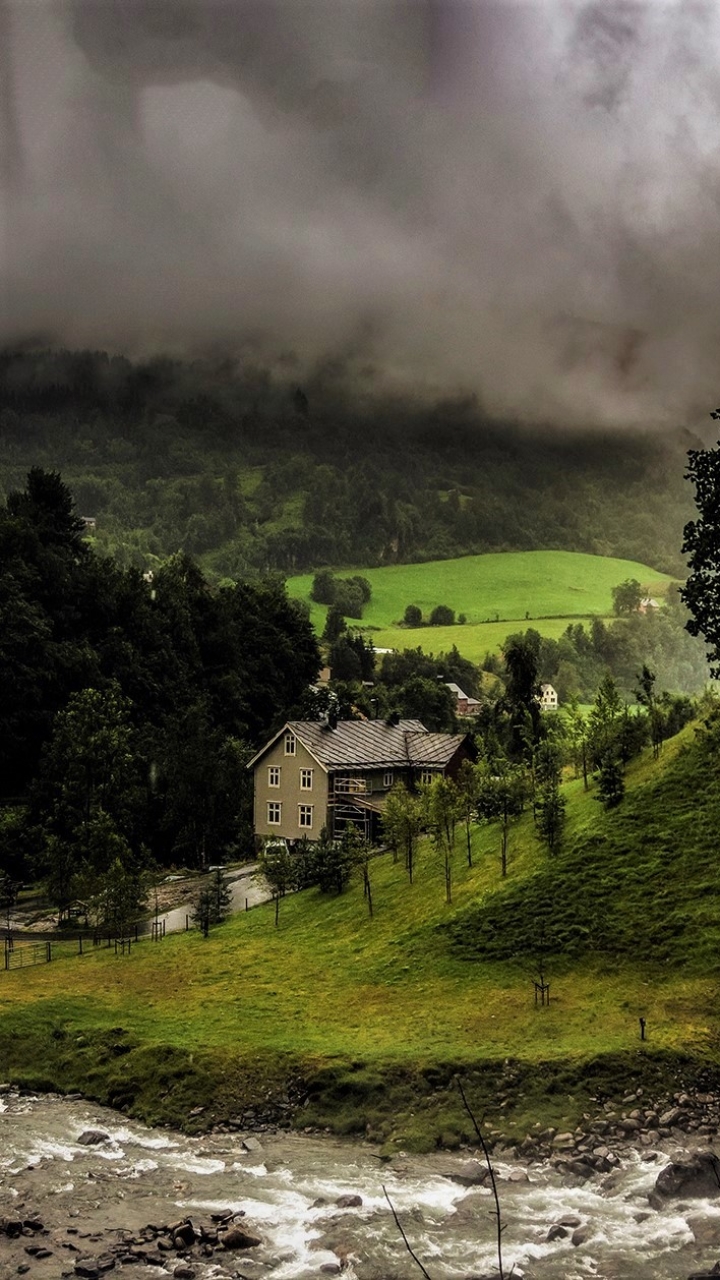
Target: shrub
412 616
442 616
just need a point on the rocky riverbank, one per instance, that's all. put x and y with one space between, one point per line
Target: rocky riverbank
84 1192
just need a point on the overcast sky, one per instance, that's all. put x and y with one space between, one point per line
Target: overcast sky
520 199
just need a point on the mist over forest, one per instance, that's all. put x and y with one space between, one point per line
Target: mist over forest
512 200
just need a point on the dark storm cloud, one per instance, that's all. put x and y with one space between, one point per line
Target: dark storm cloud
516 199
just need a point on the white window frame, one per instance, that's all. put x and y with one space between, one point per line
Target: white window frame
274 774
274 807
388 778
305 811
290 743
306 779
426 777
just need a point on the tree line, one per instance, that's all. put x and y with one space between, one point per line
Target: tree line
236 464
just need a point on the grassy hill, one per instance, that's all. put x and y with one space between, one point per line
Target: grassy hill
497 593
369 1019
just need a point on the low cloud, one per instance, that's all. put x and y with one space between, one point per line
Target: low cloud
519 200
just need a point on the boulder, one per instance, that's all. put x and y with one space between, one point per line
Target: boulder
556 1232
580 1235
239 1238
697 1177
705 1230
93 1137
348 1202
10 1226
470 1174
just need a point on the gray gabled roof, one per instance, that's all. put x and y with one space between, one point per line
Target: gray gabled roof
368 744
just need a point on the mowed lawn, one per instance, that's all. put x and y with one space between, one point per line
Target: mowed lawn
498 593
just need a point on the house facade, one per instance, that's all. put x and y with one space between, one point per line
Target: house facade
314 775
465 705
548 698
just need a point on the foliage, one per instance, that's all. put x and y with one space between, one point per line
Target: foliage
133 706
701 544
442 616
212 902
626 596
412 616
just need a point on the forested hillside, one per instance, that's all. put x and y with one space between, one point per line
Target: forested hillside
250 471
129 708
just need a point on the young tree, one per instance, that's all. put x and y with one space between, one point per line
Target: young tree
611 780
442 616
275 865
550 814
469 787
440 806
402 824
645 694
501 799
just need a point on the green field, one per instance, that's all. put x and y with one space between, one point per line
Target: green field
374 1016
498 593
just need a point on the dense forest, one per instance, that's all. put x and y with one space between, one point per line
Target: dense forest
130 708
250 472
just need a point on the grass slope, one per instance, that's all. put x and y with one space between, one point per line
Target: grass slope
368 1019
497 593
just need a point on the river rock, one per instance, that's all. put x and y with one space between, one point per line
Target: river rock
470 1174
705 1275
556 1232
698 1176
183 1272
239 1238
348 1202
93 1137
705 1230
10 1226
580 1235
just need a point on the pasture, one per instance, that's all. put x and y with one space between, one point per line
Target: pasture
498 593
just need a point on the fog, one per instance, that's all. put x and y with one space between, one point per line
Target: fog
519 200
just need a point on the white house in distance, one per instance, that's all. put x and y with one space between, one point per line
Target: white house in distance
548 698
648 605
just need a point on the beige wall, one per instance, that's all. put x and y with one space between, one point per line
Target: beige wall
289 794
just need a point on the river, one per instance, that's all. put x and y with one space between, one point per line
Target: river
288 1184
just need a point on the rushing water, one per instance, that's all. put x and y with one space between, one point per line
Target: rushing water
288 1187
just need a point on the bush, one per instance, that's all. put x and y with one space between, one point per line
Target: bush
412 616
442 616
323 587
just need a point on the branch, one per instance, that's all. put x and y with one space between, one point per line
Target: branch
493 1183
414 1256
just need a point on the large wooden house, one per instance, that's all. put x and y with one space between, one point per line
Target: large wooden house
314 775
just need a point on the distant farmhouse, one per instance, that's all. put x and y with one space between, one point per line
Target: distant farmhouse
548 698
329 774
465 705
648 605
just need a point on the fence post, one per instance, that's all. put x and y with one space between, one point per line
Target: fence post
49 951
164 923
7 954
187 923
79 944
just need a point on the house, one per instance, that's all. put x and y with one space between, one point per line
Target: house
548 698
332 773
90 523
648 605
466 706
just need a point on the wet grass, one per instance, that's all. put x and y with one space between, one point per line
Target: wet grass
369 1019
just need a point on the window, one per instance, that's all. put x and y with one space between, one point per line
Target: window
274 776
274 813
388 778
306 777
426 777
305 815
289 744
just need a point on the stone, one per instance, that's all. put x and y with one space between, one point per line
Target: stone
93 1137
348 1202
705 1230
183 1272
239 1238
470 1174
10 1226
252 1144
556 1232
580 1235
697 1177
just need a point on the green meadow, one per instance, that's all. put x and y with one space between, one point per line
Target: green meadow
498 593
368 1020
